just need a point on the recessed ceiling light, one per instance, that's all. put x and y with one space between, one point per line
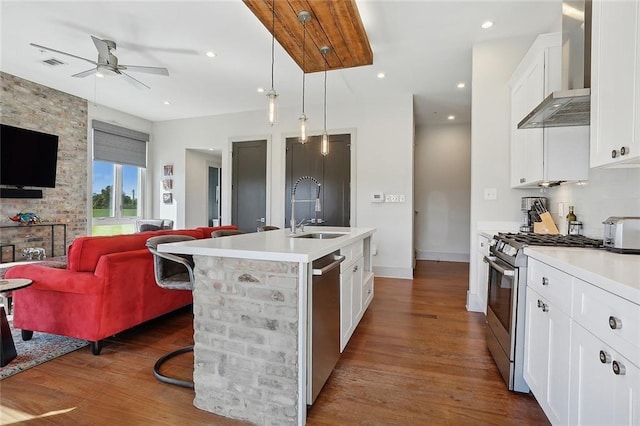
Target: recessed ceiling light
100 75
167 103
210 149
460 85
381 75
260 90
487 24
451 117
211 54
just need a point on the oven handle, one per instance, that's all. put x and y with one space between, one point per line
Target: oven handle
491 260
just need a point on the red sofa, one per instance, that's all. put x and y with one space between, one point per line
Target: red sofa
107 287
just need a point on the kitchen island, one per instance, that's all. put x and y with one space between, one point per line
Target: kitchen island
251 316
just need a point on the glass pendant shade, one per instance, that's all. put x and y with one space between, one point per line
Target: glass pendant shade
272 110
303 128
324 146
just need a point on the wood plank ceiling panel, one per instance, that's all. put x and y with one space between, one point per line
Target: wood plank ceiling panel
334 23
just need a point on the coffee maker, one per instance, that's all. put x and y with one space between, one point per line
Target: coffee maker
529 215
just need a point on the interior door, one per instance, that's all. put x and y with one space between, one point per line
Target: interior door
214 196
249 184
332 171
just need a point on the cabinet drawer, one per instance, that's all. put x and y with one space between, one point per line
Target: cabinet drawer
551 283
351 253
598 310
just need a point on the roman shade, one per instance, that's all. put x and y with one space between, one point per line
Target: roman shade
119 145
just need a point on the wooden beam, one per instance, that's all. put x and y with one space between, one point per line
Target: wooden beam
334 23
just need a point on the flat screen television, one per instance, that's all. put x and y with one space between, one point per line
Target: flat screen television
27 157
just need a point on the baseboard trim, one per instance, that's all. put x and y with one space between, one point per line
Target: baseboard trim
393 272
443 257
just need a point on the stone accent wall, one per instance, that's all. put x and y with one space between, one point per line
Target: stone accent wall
33 106
246 337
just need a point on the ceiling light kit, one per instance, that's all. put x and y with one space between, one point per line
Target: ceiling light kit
303 17
324 145
486 25
272 95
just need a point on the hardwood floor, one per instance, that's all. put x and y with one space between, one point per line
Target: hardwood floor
418 357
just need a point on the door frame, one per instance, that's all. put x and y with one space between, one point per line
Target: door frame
228 176
353 178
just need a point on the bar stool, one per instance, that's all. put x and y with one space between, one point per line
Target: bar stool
173 272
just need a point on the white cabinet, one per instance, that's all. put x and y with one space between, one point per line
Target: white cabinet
599 395
547 340
356 288
540 155
615 83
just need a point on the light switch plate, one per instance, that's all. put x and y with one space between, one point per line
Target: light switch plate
491 194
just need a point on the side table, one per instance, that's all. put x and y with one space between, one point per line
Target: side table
8 348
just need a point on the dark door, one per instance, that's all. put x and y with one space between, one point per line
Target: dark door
249 184
333 172
214 195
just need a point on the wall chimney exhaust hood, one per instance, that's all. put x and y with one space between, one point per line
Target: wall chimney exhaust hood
570 106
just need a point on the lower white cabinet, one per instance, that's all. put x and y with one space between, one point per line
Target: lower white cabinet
605 386
546 358
356 290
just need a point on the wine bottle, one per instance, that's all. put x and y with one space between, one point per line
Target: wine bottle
571 217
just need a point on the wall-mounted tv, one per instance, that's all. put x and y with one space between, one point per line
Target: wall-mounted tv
27 157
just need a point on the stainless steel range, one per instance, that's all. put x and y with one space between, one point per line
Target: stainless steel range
507 281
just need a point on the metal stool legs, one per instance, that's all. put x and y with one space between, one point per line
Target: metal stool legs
172 380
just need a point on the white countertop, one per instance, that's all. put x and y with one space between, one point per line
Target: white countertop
271 245
613 272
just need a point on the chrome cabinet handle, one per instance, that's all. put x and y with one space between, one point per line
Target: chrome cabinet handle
545 307
624 150
618 368
615 323
540 303
614 153
545 281
605 358
355 268
523 180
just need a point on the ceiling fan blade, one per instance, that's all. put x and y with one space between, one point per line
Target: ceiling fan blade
103 49
137 83
62 53
86 73
148 70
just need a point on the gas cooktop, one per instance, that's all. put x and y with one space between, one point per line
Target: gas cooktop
531 239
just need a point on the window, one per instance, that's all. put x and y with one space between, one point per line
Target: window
119 168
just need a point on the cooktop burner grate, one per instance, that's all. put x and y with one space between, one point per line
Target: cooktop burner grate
552 240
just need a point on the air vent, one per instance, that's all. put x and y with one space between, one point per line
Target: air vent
53 62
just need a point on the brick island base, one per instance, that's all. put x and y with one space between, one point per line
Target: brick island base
246 322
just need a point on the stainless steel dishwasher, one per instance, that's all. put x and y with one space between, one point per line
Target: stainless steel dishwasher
324 326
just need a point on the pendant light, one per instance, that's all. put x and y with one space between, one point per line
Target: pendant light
324 145
303 17
272 95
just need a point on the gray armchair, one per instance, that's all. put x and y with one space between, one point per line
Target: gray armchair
143 225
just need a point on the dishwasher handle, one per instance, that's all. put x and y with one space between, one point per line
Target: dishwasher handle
336 261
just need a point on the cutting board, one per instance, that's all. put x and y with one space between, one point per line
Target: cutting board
547 226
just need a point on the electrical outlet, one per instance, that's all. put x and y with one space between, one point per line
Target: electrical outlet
391 198
490 194
401 198
561 208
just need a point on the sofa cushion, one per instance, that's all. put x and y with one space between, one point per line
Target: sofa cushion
85 252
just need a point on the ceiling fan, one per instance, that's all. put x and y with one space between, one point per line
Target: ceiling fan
107 63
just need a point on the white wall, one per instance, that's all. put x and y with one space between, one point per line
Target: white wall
493 64
197 186
442 187
382 158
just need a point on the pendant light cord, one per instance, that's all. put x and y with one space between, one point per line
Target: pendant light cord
304 41
325 92
273 38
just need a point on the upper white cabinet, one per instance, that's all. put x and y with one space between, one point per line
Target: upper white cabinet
540 155
615 83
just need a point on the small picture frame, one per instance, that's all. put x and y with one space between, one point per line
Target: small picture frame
168 169
167 184
167 198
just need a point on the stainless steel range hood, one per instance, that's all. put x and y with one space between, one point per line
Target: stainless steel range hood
570 106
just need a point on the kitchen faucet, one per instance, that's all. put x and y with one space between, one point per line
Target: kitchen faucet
294 225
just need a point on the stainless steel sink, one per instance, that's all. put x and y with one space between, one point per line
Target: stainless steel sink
319 235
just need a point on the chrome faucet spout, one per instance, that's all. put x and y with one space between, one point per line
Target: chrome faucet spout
292 222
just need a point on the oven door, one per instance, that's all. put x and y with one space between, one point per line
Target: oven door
501 312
